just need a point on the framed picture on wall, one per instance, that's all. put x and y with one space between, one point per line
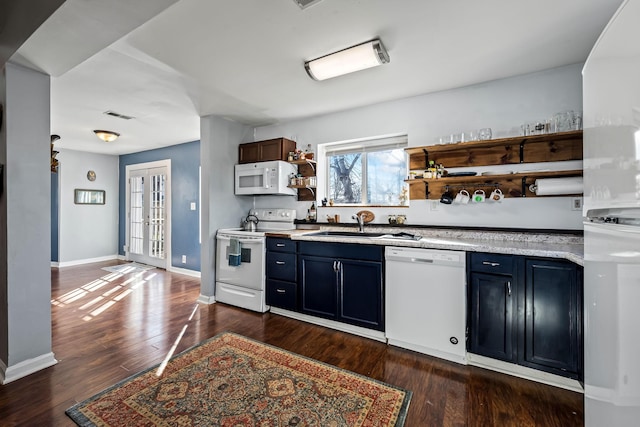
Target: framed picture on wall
88 197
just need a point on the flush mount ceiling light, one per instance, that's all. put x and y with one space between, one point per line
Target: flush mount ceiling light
355 58
106 135
305 3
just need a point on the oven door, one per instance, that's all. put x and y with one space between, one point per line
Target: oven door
249 271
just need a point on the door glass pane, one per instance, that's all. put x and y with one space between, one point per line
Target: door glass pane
136 224
156 216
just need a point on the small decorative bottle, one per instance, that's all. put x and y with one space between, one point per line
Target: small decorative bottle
312 212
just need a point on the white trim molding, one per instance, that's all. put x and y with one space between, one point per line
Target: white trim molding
185 271
339 326
86 261
524 372
206 299
26 367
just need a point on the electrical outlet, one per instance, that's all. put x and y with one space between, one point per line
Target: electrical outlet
184 259
576 203
434 205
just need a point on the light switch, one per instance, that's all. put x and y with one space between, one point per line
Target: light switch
193 206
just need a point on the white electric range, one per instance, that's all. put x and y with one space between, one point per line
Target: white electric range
243 285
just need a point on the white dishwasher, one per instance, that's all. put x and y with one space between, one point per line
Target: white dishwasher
425 301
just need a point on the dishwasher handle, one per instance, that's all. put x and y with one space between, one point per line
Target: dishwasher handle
423 260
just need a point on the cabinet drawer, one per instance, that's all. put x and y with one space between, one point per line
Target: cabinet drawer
282 294
491 263
342 250
281 266
281 245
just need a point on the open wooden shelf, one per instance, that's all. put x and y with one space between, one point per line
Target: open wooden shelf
306 167
512 185
551 147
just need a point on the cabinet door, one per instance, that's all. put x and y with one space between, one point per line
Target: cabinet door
319 286
361 293
493 303
272 150
249 153
552 317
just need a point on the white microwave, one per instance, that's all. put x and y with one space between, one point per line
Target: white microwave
264 178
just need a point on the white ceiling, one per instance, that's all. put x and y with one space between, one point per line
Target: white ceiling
168 62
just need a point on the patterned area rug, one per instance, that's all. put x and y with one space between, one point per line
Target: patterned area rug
233 381
132 267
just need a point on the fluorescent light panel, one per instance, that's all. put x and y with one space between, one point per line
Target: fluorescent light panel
303 4
355 58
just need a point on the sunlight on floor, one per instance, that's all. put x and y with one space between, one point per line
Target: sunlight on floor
110 296
175 344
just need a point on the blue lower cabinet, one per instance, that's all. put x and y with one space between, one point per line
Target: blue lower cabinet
282 274
340 288
552 339
319 286
282 294
528 311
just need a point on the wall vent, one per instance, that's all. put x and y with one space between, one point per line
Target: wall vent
306 3
118 115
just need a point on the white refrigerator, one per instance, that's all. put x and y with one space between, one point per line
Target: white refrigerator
611 91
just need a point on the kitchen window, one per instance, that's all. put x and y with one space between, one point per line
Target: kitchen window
367 172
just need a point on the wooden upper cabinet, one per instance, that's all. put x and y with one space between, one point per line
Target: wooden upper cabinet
262 151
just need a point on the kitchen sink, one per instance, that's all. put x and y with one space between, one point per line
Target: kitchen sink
366 235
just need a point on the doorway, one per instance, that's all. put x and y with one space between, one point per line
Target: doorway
148 207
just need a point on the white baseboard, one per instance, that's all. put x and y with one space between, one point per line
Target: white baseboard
24 368
185 271
524 372
205 299
55 264
355 330
452 357
87 261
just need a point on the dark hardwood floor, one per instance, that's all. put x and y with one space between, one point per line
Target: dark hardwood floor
108 327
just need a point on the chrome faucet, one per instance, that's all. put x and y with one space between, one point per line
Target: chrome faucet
360 219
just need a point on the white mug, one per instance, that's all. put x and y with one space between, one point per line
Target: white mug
462 198
496 195
478 196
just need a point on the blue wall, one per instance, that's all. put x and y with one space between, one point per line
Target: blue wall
54 216
185 181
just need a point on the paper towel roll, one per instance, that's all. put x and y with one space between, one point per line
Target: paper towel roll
558 186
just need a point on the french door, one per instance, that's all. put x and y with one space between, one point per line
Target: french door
148 206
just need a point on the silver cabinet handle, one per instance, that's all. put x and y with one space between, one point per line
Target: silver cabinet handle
280 262
509 288
280 245
281 291
492 264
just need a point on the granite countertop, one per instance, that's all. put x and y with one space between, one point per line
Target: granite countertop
550 245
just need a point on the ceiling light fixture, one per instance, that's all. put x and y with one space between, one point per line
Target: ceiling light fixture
355 58
306 3
106 135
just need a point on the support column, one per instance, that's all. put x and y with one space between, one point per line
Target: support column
25 224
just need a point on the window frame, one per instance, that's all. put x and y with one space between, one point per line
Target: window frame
364 146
